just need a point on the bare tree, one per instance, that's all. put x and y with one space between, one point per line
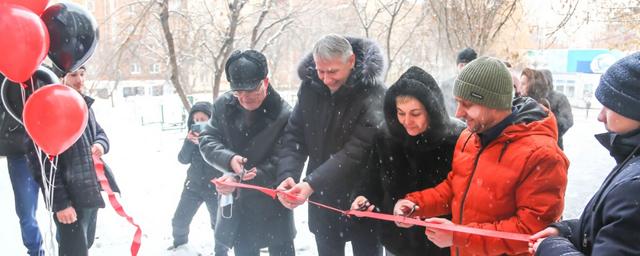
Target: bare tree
228 36
364 17
470 23
175 71
395 23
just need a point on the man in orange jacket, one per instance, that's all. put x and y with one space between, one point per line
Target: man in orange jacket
508 173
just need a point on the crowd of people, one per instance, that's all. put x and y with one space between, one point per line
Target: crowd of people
482 149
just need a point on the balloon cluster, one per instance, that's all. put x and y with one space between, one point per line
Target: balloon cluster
54 115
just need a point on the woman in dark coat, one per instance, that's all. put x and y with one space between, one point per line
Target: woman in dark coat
412 152
610 221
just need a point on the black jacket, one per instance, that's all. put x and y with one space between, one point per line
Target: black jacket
401 163
610 222
76 183
200 173
12 133
562 110
335 130
265 220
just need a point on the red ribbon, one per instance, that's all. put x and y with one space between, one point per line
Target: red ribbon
388 217
104 183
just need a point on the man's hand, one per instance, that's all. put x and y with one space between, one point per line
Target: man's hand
405 208
441 238
223 189
536 239
97 150
237 164
301 191
67 216
193 137
361 203
284 186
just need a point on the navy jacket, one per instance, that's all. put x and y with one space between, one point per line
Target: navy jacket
610 223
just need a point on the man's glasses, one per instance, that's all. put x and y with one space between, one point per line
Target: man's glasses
253 92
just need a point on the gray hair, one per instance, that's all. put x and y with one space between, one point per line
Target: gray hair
332 46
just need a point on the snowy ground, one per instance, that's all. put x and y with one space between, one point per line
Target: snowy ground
144 159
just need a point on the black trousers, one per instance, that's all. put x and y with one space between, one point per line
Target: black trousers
362 243
76 238
283 249
190 202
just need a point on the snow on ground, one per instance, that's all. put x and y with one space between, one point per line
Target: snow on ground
144 159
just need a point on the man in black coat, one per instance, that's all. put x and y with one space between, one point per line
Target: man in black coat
77 197
25 188
246 125
414 152
197 186
610 221
338 112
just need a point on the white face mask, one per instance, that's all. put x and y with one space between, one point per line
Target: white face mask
226 200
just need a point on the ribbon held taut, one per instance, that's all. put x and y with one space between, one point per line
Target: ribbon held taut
388 217
104 183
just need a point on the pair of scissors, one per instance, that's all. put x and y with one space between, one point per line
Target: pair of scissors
366 206
244 172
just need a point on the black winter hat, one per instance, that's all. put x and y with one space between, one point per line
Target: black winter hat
466 55
245 70
619 88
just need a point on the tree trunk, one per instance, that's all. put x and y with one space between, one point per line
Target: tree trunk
175 72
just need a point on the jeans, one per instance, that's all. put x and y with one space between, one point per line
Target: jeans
76 238
190 202
25 191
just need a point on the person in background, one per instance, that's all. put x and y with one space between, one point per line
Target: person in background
534 85
197 186
560 106
609 223
25 188
413 151
465 56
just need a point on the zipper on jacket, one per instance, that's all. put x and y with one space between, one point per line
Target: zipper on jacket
464 196
504 149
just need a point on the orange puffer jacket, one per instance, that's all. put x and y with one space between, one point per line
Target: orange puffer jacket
516 183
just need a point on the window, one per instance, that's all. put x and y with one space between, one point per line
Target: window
571 91
135 68
132 91
155 68
156 90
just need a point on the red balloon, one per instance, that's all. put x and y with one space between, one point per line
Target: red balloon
55 116
36 6
24 43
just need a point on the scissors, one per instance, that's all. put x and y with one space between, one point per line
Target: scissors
244 172
366 206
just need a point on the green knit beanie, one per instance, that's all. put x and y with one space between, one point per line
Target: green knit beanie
485 81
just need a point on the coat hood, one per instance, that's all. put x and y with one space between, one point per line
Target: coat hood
530 118
417 83
369 67
201 106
